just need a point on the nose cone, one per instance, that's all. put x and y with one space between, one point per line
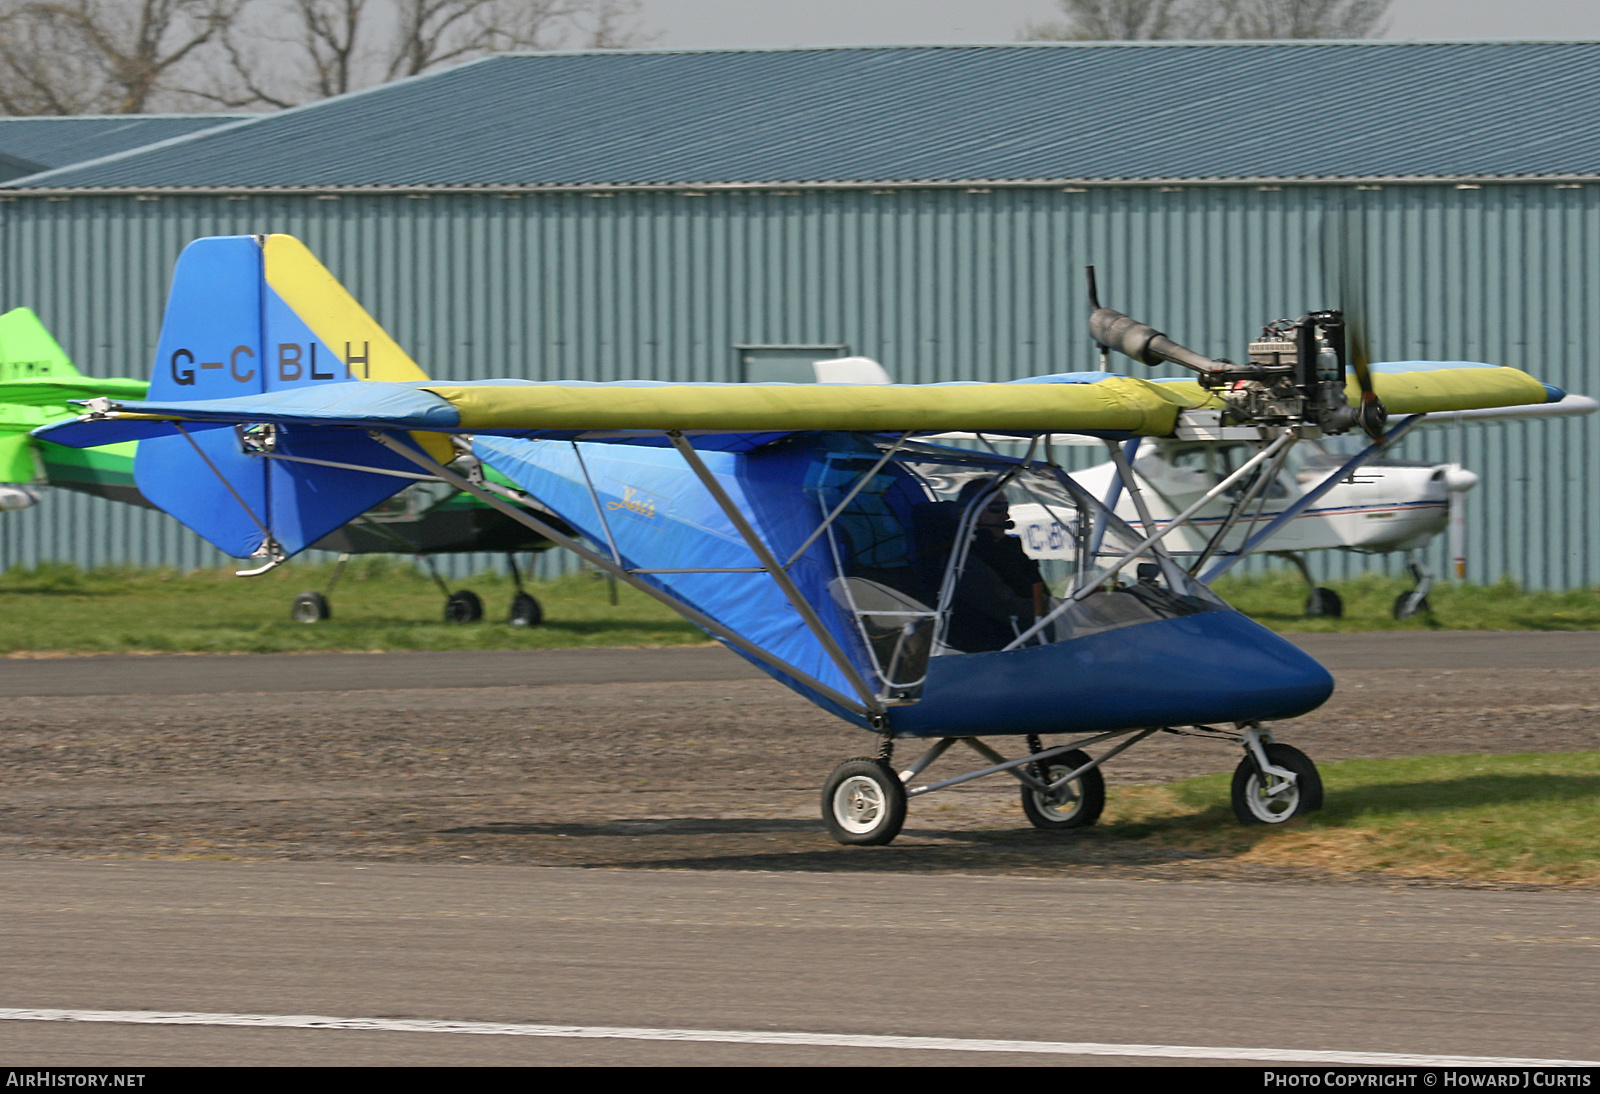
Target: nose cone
1224 667
1458 480
1215 667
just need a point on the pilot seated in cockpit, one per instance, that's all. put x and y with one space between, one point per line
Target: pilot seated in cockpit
1001 590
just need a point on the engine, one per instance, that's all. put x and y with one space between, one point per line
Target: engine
1294 376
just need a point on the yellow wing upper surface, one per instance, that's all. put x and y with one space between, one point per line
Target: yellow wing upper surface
1118 404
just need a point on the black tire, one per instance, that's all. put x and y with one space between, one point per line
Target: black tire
310 608
463 607
1324 603
1422 608
864 803
525 611
1252 806
1076 805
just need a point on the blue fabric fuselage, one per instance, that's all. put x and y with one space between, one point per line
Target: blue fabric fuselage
1211 667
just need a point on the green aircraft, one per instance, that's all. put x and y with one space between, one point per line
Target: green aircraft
36 381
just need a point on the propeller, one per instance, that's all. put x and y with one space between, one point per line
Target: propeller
1347 248
1458 480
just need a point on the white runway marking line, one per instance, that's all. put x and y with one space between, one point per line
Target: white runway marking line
753 1037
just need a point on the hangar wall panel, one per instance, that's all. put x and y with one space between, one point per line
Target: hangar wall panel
938 284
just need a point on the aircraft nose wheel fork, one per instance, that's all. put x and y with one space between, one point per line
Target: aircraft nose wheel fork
1274 782
525 610
312 606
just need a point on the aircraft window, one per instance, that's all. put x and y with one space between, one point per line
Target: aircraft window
879 580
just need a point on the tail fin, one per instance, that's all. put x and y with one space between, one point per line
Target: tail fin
27 352
248 315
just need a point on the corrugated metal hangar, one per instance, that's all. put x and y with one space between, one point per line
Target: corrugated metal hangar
728 214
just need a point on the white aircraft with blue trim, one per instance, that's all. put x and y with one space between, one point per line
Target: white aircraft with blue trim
818 530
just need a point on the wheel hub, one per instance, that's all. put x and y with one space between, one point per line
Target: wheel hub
858 804
1275 802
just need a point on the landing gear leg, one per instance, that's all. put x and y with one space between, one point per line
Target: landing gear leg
1319 601
1409 604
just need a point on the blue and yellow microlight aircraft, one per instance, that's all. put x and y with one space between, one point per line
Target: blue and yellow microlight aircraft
813 529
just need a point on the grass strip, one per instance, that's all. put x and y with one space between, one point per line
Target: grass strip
384 603
1277 600
1525 818
378 604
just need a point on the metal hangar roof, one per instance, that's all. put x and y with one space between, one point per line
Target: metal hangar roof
31 144
916 115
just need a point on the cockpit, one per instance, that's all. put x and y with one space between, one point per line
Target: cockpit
928 564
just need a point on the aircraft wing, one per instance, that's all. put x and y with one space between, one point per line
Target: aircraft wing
1096 403
1430 387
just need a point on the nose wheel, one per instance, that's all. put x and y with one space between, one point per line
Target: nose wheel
463 607
1274 783
525 610
310 607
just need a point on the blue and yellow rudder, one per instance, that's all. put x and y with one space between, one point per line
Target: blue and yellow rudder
248 315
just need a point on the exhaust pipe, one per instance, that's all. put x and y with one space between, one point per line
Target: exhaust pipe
1142 342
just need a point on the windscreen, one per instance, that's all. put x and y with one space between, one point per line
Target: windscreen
932 562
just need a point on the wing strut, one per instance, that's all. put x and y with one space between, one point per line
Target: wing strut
1310 498
601 562
770 563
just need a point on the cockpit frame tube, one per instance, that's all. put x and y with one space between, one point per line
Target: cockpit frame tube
1177 522
1169 568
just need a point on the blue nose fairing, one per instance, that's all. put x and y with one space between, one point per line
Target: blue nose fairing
1214 667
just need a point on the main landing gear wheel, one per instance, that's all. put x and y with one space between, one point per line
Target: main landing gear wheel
1269 800
310 608
525 611
1324 603
463 607
1075 805
1403 608
864 803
